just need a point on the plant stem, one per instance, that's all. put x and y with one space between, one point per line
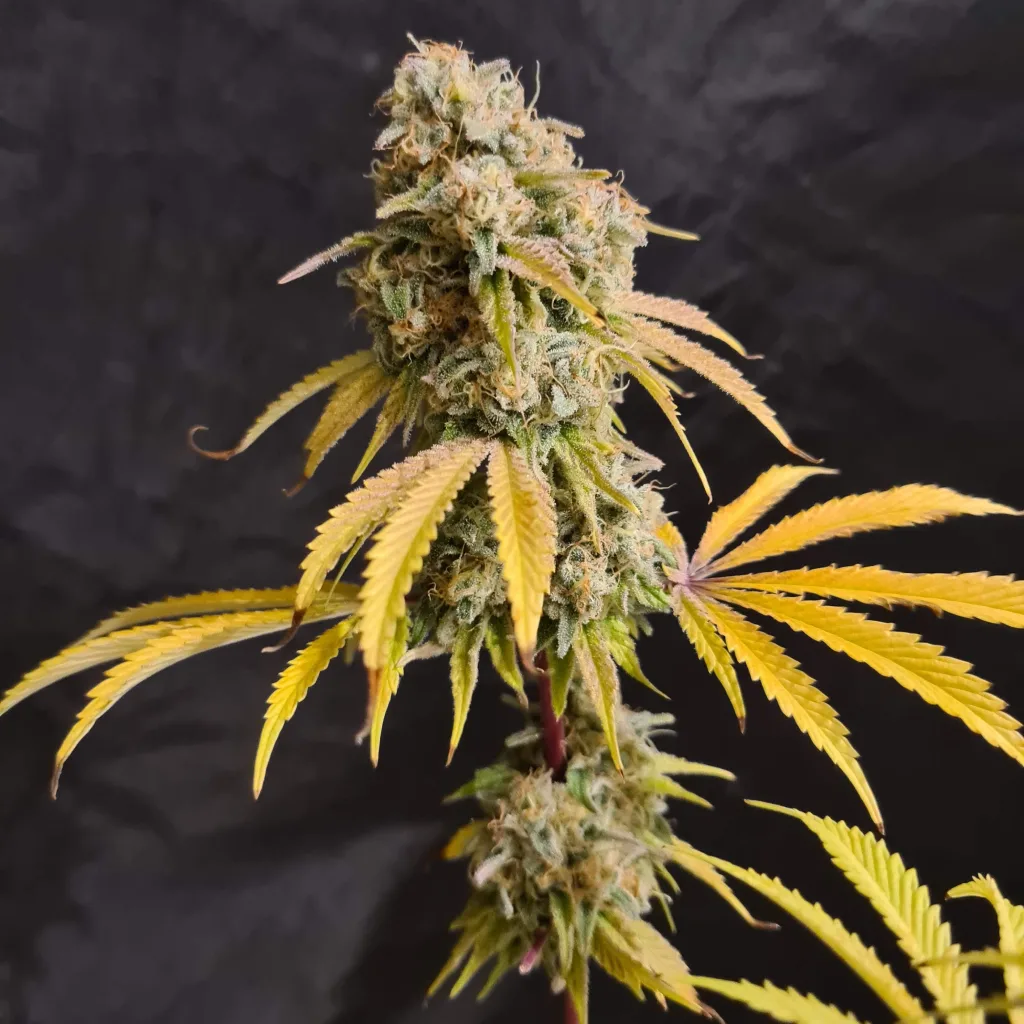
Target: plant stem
553 727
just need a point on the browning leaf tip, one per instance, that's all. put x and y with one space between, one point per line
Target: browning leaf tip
223 455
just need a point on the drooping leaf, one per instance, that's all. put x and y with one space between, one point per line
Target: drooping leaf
465 668
782 1004
712 651
383 685
561 670
622 648
861 959
203 633
898 898
677 312
290 690
646 377
796 694
919 667
388 421
502 649
362 240
524 520
1011 935
972 595
722 374
310 385
673 790
597 669
354 396
730 521
542 263
361 513
909 505
498 307
670 764
402 544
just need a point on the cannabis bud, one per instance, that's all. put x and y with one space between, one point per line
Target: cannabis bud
497 288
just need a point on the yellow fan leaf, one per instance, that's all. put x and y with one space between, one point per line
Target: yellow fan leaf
193 604
670 536
459 844
362 240
652 384
898 898
295 395
972 595
502 649
669 764
498 308
688 858
465 668
1011 934
361 513
290 690
861 959
354 396
524 519
634 953
389 419
722 374
729 521
660 229
402 544
543 264
921 668
782 1004
203 633
384 685
670 788
677 312
597 669
712 651
796 694
909 505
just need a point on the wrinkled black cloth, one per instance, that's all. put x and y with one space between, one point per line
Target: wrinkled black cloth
855 172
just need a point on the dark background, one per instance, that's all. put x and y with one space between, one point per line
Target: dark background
854 168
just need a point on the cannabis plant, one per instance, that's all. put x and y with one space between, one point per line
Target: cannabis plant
497 288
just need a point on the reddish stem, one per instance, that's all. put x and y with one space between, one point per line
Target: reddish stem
553 727
570 1010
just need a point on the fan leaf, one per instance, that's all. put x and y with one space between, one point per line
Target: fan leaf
712 651
782 1004
383 685
290 690
400 547
310 385
676 312
919 667
971 595
910 505
465 669
524 520
597 669
389 419
730 521
502 649
796 694
361 240
543 264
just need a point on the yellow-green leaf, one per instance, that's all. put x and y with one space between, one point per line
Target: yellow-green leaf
622 648
796 694
577 984
354 396
290 690
361 513
524 520
972 595
465 668
362 240
649 380
561 671
502 649
402 544
676 311
909 505
861 959
562 917
730 521
919 667
460 843
583 488
388 421
498 307
565 176
541 263
383 685
585 457
898 898
661 229
712 651
1011 935
722 374
782 1004
597 669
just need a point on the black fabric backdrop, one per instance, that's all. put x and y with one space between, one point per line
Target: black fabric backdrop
854 169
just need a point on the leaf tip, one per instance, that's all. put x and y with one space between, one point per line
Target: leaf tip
222 455
290 492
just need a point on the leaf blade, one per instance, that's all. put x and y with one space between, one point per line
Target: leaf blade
712 651
601 680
